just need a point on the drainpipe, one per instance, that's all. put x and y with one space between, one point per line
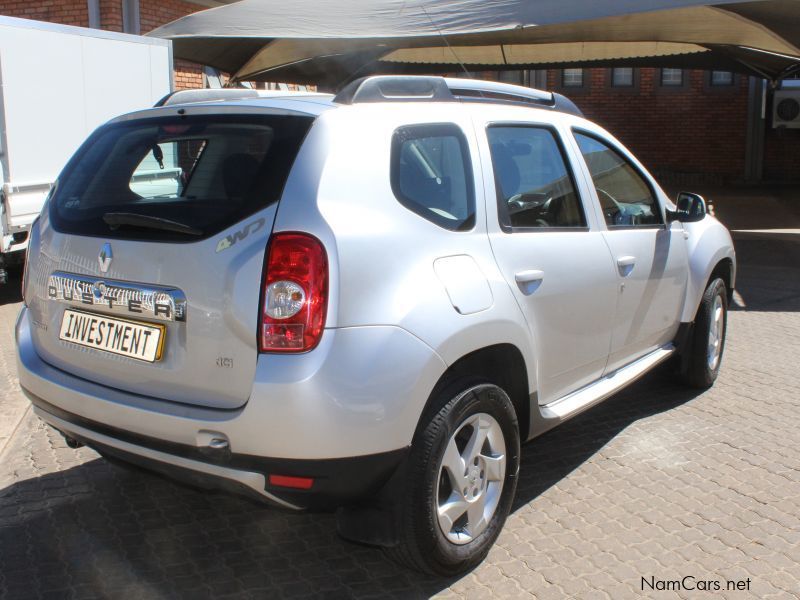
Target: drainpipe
131 20
756 128
93 7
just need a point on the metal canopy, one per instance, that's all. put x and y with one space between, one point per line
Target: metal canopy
330 42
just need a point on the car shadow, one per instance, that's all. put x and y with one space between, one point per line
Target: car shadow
113 533
11 291
551 457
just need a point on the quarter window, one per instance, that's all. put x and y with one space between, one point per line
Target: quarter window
431 174
626 198
534 185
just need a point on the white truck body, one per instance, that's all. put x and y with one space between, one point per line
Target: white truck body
96 74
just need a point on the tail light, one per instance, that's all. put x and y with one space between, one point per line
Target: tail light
294 296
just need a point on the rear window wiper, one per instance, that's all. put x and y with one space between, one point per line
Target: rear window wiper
117 219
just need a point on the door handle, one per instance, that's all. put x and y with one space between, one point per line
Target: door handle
625 265
529 276
529 281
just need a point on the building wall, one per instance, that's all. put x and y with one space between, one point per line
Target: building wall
695 133
111 15
781 152
66 12
154 13
690 133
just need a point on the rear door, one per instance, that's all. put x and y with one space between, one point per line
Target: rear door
650 256
160 226
553 257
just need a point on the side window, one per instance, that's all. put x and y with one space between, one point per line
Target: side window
431 174
534 185
625 197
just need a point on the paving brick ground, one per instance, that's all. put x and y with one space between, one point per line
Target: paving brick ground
12 405
656 482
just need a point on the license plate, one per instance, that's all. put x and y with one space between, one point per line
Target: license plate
141 341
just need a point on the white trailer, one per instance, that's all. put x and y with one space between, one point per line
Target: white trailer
57 84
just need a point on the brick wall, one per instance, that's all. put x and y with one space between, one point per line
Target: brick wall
692 133
188 75
66 12
111 15
155 13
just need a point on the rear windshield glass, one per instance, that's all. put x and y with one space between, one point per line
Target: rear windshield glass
176 178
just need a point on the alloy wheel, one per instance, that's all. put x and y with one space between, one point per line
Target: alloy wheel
471 477
716 333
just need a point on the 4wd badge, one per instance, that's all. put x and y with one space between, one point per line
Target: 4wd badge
237 236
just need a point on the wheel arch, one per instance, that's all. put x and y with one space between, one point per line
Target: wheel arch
501 364
724 270
711 254
722 267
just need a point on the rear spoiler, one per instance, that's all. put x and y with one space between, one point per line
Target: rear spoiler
226 94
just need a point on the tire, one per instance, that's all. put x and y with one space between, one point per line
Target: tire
456 416
700 365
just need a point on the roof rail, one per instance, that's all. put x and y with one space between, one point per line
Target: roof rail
423 88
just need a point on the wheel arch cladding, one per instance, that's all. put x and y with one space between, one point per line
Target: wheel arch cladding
502 365
724 270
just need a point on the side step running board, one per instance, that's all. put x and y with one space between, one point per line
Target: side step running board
576 402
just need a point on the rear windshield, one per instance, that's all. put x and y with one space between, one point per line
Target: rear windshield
176 178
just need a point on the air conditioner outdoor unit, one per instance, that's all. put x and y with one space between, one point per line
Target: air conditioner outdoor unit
786 109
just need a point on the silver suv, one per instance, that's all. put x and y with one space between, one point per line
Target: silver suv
365 301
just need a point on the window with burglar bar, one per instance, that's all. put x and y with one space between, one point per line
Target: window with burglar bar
622 77
671 77
572 78
721 78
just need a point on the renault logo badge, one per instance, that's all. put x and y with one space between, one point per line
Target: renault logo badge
105 258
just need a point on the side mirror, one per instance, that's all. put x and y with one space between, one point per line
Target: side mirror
689 208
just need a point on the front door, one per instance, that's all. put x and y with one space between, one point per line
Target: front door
551 253
650 256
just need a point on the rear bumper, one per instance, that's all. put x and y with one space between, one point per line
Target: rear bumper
337 482
343 414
